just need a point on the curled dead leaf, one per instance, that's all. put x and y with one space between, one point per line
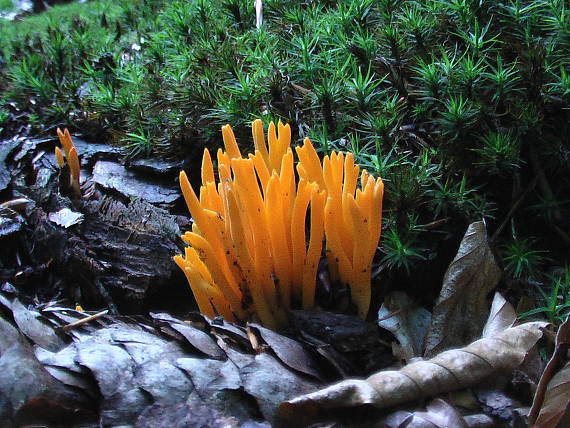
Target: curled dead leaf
552 396
556 400
448 371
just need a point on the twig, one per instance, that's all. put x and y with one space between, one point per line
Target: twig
543 183
394 313
301 89
19 204
390 315
547 192
435 224
84 320
514 207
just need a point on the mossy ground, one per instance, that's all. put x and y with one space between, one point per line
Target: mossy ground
6 5
462 106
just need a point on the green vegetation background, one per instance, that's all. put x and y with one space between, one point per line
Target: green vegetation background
462 106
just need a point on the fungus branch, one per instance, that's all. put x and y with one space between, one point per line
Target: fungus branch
249 255
72 160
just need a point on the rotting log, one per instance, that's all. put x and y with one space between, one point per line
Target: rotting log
116 253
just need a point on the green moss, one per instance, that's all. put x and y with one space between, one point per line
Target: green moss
458 105
60 14
6 5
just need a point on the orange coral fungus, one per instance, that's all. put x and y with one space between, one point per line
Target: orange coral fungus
72 159
249 256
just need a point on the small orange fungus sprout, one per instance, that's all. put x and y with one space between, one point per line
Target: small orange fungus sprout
72 159
249 257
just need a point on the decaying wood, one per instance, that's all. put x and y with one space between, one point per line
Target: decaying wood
104 249
118 255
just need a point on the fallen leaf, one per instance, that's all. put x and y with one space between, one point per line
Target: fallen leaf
441 415
438 414
496 403
408 322
464 398
484 421
121 366
448 371
29 323
462 307
266 379
556 400
501 316
553 391
183 415
289 351
10 221
65 217
397 419
199 340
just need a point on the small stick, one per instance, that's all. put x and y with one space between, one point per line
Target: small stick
391 314
514 207
253 340
19 204
84 320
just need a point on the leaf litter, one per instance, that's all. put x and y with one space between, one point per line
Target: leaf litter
122 367
462 314
134 366
448 371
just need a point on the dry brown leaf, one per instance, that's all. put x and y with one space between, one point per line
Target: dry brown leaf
501 316
289 351
441 415
448 371
438 414
462 306
553 392
407 321
496 403
556 400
